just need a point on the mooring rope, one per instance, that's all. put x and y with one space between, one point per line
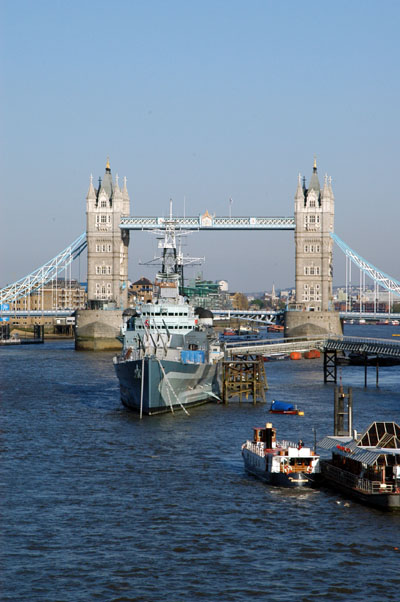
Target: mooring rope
172 389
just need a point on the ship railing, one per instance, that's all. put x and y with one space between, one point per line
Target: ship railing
258 449
375 486
350 480
128 354
284 444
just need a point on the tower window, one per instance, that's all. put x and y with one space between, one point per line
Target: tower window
103 203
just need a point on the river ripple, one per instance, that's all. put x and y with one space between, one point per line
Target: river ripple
98 505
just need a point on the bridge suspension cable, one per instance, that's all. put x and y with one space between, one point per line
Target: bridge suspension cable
44 274
381 279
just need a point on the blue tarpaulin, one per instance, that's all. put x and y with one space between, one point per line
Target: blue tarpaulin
189 356
282 406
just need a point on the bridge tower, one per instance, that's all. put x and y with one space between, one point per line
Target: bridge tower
107 250
314 218
313 314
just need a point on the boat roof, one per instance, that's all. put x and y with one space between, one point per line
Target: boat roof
380 439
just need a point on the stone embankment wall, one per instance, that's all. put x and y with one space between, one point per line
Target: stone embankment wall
97 330
312 323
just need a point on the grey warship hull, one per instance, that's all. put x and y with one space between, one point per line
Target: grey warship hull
167 385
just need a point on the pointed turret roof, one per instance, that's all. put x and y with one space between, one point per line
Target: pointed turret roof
91 192
325 191
314 181
107 184
300 191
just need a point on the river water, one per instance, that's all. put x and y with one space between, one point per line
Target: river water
98 505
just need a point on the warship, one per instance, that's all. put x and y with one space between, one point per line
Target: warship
170 355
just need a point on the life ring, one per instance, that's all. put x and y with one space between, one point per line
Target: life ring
287 469
146 323
309 469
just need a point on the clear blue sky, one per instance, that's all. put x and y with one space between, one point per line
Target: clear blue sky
204 100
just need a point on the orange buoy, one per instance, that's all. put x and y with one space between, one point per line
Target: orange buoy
295 355
312 354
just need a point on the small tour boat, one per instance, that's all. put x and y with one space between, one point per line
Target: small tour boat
280 463
283 407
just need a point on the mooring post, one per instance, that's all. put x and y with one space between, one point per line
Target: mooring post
340 411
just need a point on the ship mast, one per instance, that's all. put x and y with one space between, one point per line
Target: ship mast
171 259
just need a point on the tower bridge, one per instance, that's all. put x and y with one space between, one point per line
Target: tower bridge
108 227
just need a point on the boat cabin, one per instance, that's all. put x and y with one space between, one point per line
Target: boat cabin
265 435
374 456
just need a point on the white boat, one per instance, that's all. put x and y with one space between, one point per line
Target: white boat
280 463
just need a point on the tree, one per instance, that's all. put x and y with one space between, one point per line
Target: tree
259 303
240 301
